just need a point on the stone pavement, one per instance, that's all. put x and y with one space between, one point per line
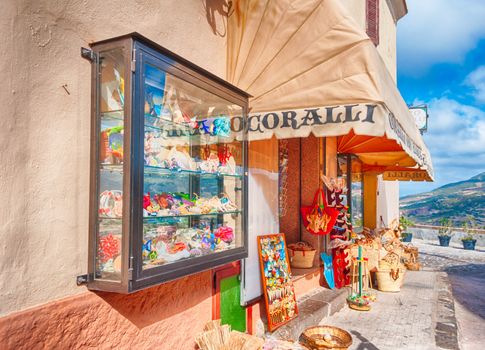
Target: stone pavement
397 320
422 315
466 273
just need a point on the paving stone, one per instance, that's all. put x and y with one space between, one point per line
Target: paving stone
422 315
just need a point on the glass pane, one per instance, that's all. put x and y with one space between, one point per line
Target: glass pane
357 195
342 175
110 150
193 174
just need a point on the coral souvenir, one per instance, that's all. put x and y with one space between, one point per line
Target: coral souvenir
108 247
225 233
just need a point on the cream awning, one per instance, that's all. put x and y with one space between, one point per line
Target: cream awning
311 69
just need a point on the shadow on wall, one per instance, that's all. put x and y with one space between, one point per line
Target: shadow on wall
152 305
218 11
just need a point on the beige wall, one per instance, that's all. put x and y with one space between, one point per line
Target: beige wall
387 37
387 201
44 131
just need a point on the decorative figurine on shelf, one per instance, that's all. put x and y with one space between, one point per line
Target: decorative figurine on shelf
111 204
221 126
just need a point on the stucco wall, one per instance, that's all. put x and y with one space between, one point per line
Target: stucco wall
166 317
44 129
387 201
387 38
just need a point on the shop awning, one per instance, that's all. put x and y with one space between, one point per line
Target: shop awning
311 69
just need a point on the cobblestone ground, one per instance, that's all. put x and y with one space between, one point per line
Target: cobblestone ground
422 315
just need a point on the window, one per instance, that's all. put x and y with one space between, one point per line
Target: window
349 173
372 20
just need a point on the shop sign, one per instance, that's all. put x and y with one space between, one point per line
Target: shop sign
406 175
405 139
309 117
420 115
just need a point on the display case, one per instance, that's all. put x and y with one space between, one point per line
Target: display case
168 167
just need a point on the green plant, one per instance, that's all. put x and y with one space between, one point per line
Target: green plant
445 228
469 227
404 223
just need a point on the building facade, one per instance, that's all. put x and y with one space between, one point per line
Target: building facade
45 171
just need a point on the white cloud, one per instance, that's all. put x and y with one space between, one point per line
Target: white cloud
456 140
438 31
476 80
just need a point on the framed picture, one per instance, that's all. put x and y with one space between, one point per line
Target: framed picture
278 289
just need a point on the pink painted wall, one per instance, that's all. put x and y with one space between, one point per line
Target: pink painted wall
163 317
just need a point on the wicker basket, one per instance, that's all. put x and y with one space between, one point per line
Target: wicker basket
301 255
413 266
314 338
390 280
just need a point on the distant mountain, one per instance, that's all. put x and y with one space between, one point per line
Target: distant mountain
455 201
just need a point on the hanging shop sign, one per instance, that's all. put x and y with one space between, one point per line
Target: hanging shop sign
420 115
408 175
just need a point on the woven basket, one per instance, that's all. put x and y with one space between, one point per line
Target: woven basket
390 280
313 338
413 266
301 257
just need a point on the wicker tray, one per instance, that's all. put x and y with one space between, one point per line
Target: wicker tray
313 338
358 307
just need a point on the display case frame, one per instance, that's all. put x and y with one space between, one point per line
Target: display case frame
137 51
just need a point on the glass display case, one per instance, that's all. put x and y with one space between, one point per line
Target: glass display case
168 167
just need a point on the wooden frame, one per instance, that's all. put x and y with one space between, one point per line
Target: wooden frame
288 285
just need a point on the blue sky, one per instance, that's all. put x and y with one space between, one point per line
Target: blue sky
441 62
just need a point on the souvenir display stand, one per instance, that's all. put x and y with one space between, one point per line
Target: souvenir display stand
278 290
168 167
341 232
360 295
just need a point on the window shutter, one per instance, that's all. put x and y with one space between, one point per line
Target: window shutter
372 20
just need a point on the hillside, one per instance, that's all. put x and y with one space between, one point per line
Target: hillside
454 200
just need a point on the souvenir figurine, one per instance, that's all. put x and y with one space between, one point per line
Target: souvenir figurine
225 233
221 126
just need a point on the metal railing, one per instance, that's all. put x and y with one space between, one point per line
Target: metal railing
453 229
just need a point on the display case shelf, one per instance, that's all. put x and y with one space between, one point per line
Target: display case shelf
234 212
151 106
154 170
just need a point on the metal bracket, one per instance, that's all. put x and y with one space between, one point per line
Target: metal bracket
88 54
82 279
133 61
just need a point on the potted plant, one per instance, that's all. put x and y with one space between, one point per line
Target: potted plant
444 232
404 223
469 240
